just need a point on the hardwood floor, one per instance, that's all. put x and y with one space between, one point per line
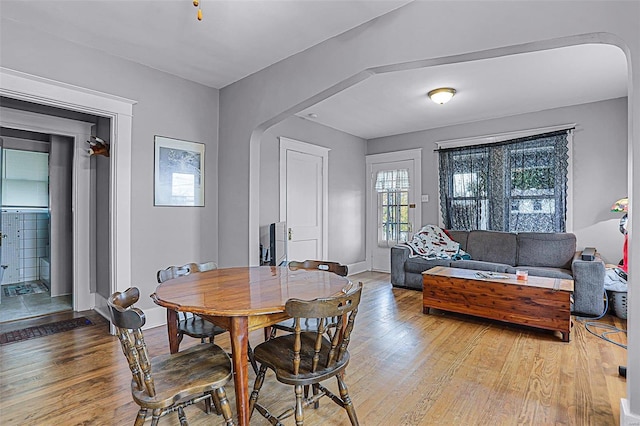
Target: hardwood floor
406 368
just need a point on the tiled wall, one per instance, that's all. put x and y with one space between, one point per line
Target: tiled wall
26 241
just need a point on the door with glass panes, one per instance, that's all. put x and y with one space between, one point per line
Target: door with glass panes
393 209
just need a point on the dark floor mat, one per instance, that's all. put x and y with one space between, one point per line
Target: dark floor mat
43 330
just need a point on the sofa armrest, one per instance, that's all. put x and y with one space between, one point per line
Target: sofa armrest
399 255
588 285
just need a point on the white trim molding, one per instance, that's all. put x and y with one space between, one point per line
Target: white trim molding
627 418
31 88
500 137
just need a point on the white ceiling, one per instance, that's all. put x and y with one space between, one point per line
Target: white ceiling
395 103
240 37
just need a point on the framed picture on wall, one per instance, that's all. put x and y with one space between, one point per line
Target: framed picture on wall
179 173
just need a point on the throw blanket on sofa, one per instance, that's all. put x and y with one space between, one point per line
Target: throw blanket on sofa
431 242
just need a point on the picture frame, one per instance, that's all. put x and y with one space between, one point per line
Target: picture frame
178 172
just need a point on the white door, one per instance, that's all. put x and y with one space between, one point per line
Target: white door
303 198
394 210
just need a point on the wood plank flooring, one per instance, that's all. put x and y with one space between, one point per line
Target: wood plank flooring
406 368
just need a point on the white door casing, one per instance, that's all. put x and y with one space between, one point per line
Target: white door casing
304 198
379 255
27 87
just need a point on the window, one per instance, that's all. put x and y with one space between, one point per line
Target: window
392 187
25 178
518 185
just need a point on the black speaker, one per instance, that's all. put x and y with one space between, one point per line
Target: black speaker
589 253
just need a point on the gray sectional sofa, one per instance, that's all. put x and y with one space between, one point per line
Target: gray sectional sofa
550 255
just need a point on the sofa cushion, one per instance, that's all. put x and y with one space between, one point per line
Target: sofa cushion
417 265
564 274
480 265
459 237
413 281
492 246
555 250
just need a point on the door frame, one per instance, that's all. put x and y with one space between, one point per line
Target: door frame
371 201
31 88
78 131
287 144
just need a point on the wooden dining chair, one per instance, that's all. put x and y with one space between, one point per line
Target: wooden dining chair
190 324
320 265
309 358
311 265
169 383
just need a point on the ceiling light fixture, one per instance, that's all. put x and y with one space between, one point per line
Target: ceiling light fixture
441 95
196 3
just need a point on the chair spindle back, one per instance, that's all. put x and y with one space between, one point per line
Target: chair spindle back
128 322
325 310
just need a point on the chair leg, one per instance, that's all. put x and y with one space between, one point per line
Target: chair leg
212 403
256 388
225 407
316 405
156 417
299 413
182 417
252 359
142 414
348 404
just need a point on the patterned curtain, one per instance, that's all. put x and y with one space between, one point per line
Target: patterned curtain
516 186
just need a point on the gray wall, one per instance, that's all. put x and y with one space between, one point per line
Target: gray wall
101 184
478 30
599 164
346 184
61 222
166 106
397 37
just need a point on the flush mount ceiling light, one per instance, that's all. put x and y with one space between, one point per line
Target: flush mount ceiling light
441 95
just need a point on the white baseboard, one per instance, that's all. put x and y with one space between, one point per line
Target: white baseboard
626 417
101 306
356 268
156 317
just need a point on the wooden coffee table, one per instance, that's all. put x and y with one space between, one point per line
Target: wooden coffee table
538 302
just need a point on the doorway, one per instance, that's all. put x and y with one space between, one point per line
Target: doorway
116 112
37 262
54 263
393 203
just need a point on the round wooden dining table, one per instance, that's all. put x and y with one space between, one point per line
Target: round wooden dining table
241 300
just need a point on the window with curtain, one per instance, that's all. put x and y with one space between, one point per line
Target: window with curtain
392 187
516 186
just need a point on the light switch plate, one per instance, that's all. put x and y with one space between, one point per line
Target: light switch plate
425 198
